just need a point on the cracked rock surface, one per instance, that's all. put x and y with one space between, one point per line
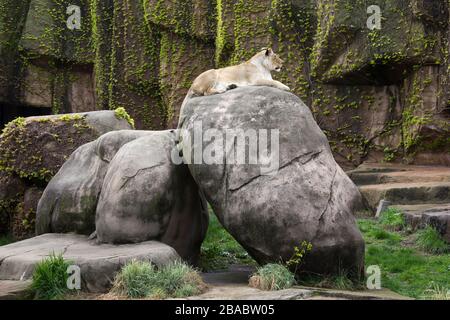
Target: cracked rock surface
98 263
125 187
309 197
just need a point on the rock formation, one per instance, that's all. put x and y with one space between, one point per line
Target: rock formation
377 94
32 150
98 263
125 187
304 196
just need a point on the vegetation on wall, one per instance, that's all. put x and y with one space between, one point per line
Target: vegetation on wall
32 151
29 160
145 54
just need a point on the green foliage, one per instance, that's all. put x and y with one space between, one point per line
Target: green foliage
271 277
342 281
437 292
4 240
299 253
431 241
135 279
121 113
389 154
220 249
393 219
405 269
140 279
179 280
66 118
22 154
50 278
375 232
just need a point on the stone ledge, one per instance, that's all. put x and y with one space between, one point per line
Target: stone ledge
98 263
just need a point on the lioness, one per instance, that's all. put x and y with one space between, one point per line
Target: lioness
254 72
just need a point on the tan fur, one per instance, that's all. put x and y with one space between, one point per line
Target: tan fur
254 72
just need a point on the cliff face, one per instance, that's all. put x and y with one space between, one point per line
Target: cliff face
378 94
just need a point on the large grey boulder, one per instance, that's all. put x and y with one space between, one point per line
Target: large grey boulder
146 196
98 263
125 187
304 196
70 199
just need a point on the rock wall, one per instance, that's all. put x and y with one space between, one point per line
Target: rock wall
32 150
380 95
43 64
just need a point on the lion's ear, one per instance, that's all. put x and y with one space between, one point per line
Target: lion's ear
268 51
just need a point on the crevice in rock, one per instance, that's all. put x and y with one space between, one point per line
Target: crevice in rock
50 216
312 155
329 197
127 179
13 255
66 247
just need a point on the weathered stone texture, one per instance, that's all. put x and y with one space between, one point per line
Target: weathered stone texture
379 95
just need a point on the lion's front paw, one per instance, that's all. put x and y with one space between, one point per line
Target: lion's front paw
286 88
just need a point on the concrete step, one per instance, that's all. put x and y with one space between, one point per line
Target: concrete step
382 174
421 216
334 294
407 193
98 263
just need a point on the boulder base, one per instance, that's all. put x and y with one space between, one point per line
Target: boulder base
98 263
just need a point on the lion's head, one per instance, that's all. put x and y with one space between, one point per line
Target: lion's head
272 61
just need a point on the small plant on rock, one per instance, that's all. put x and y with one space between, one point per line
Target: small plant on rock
431 241
49 280
299 254
272 277
140 279
121 113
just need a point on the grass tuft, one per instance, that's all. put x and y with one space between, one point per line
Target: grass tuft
272 277
392 219
121 113
431 241
140 279
436 292
134 279
341 281
49 280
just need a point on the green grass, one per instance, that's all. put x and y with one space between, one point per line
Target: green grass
431 241
4 240
220 249
405 268
140 279
134 279
342 281
375 232
437 292
393 219
272 277
49 280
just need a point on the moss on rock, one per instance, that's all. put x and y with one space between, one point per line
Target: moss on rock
36 148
